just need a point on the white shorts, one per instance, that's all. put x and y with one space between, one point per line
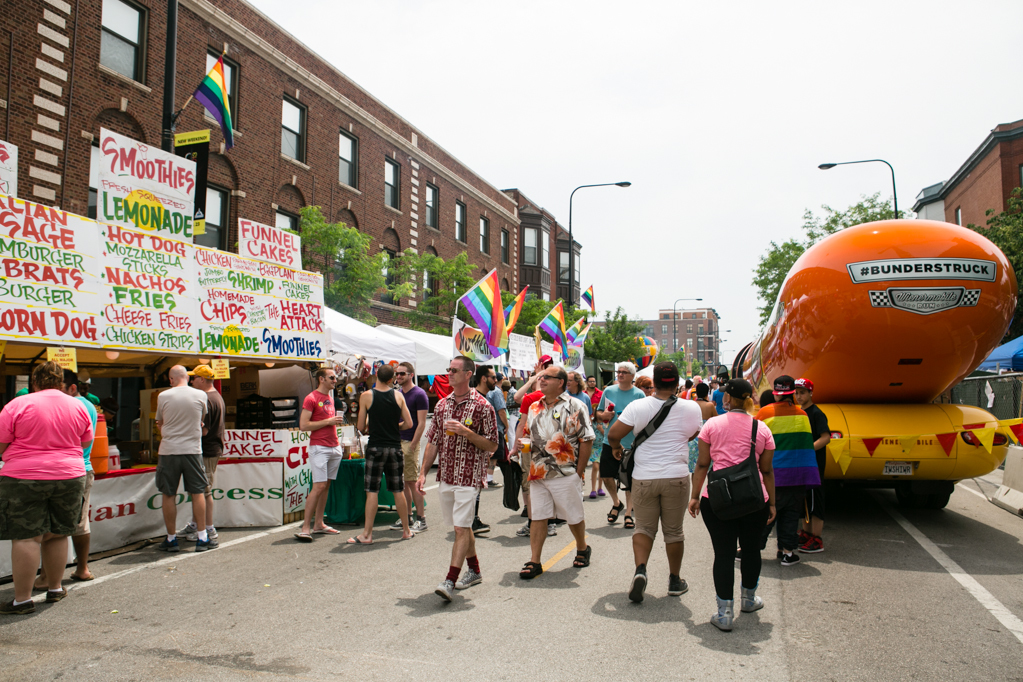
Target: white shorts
458 504
325 461
556 497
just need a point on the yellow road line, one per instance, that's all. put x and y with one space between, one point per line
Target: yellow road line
561 555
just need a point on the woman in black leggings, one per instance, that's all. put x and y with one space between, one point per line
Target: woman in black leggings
725 441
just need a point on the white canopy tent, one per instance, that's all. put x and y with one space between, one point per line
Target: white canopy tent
433 351
349 336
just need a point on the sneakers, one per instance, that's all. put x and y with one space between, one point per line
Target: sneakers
468 579
638 585
551 530
750 602
419 526
479 527
171 546
491 485
54 597
524 531
789 559
803 536
677 586
445 590
201 546
723 619
812 546
396 525
191 533
9 609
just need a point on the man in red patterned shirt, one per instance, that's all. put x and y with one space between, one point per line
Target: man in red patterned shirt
464 434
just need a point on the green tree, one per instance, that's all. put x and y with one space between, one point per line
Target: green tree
776 263
617 340
535 309
448 281
1005 230
687 368
351 277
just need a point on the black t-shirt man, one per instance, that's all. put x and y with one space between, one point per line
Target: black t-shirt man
818 427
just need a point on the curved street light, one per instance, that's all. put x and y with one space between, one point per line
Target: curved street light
895 197
571 241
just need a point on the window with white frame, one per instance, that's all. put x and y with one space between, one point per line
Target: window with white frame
460 221
348 159
292 129
392 183
529 246
122 38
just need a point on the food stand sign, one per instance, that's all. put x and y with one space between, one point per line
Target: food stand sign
221 368
67 358
8 169
144 187
269 244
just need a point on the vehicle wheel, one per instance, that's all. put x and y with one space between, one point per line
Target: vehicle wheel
937 500
907 498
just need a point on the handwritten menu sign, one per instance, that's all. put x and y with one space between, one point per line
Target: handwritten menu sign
269 244
256 309
144 187
48 285
151 301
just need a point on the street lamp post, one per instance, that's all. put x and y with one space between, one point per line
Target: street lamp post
895 197
571 241
674 323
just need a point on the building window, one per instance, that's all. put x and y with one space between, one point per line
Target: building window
217 204
505 246
348 159
529 246
121 38
429 285
388 277
578 267
959 215
664 316
484 235
392 183
689 329
460 221
700 328
431 206
1020 175
546 252
563 266
689 345
545 296
286 221
292 129
231 78
94 165
664 329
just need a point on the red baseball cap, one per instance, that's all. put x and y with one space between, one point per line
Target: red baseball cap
546 360
804 383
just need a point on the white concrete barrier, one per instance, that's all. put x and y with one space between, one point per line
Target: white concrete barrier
1010 493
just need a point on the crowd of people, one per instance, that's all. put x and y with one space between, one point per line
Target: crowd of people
652 443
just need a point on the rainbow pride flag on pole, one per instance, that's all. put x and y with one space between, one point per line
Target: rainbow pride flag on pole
483 301
588 299
212 93
511 315
554 325
577 332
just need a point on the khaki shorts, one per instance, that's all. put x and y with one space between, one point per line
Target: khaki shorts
560 497
458 504
410 453
30 508
664 499
83 523
210 465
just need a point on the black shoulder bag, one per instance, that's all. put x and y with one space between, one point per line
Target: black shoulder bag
628 457
736 490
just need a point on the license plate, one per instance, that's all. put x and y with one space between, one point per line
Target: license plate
898 469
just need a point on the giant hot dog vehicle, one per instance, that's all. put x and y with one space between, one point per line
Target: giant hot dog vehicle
884 317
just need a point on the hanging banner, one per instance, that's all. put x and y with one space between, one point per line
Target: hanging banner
253 309
522 352
469 341
298 475
195 146
269 244
144 187
8 169
49 261
151 304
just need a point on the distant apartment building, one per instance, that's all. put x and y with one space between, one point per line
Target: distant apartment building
984 181
695 331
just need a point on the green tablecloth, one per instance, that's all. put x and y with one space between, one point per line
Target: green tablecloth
346 500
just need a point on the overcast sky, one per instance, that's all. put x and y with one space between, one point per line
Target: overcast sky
718 113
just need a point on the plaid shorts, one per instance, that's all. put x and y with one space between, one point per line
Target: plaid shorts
387 462
31 508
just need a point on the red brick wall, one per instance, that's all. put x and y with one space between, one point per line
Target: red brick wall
979 191
254 167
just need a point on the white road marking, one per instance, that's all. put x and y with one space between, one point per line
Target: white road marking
986 599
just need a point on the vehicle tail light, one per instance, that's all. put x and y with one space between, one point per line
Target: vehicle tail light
970 439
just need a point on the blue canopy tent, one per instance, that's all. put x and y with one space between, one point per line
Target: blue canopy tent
1008 356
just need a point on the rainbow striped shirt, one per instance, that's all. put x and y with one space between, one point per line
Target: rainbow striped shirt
795 462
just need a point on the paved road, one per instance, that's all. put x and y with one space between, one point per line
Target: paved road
879 604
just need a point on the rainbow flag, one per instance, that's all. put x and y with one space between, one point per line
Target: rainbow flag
588 299
576 334
212 93
554 325
483 301
511 315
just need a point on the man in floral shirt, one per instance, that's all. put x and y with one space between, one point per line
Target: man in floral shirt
464 433
561 439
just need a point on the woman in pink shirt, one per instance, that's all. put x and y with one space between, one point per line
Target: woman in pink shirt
725 440
42 482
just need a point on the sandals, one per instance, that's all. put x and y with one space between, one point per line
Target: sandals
303 537
612 516
630 522
531 570
582 559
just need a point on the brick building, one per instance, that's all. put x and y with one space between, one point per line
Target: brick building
305 134
544 256
698 330
985 181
